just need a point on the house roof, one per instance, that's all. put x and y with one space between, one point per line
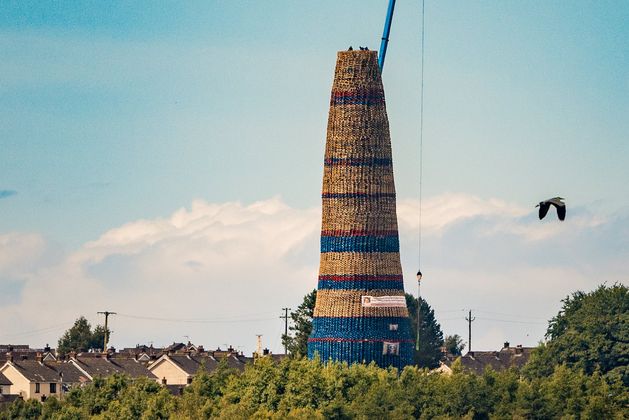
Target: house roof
5 348
507 357
236 362
141 349
133 368
47 372
175 347
71 374
101 366
192 363
35 371
4 380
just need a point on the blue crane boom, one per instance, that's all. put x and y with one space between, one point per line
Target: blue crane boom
385 34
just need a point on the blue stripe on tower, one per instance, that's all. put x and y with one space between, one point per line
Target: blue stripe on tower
360 244
361 284
358 195
357 162
368 328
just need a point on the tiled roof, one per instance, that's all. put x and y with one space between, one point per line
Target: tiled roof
71 374
4 348
504 359
139 349
101 366
35 371
235 362
191 364
4 380
48 372
133 368
175 347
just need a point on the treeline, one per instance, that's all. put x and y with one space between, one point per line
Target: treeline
581 372
304 389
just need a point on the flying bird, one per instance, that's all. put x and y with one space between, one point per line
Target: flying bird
559 205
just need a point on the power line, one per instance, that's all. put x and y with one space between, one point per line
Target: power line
494 313
39 330
193 321
511 315
512 321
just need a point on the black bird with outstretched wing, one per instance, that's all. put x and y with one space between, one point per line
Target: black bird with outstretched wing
557 203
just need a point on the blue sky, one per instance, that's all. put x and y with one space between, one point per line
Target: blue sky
128 111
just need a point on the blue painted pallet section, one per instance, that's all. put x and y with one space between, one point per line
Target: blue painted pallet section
370 328
363 352
360 244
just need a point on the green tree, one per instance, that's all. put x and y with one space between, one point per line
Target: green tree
308 389
590 332
20 409
430 334
297 340
454 344
81 337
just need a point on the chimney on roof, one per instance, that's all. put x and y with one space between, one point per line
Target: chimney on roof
506 345
39 357
266 352
9 355
47 348
518 349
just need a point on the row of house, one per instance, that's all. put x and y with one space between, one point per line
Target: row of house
40 374
33 373
477 361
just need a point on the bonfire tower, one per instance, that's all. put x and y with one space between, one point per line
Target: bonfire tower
360 314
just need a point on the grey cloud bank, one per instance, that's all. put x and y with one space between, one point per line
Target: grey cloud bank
219 273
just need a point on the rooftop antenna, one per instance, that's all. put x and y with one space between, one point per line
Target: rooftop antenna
385 35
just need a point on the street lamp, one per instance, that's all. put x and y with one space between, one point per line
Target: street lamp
419 282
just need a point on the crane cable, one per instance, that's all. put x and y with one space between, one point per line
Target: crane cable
421 140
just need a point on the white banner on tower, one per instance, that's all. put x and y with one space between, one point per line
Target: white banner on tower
383 301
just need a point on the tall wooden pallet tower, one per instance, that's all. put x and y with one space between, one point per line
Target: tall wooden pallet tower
360 314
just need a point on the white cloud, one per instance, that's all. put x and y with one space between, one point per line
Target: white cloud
228 268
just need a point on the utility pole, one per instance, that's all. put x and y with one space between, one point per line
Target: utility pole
106 340
469 320
285 318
